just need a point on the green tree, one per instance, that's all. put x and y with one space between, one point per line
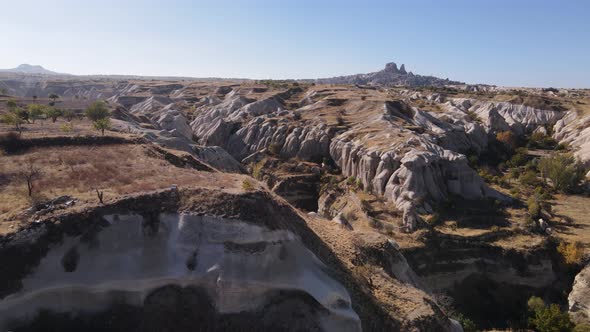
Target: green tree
535 304
11 104
35 111
97 111
551 319
563 170
14 120
53 97
53 113
102 124
69 115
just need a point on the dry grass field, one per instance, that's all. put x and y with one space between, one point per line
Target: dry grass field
79 170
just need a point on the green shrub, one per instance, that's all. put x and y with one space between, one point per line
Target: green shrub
257 169
534 205
529 178
66 127
97 111
535 304
275 149
35 111
563 171
572 253
582 328
247 185
52 113
520 158
351 180
102 125
69 115
551 319
561 147
468 324
541 141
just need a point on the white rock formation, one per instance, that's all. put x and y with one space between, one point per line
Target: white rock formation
237 262
579 297
574 130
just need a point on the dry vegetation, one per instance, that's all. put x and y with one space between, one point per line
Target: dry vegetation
77 171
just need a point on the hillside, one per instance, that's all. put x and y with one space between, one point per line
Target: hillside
282 205
389 76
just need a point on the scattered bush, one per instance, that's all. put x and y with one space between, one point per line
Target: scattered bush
69 115
551 319
572 253
102 124
53 97
97 111
535 205
66 127
52 113
508 139
247 185
14 120
561 147
582 328
541 141
563 171
535 304
35 111
468 324
275 149
529 178
520 158
257 169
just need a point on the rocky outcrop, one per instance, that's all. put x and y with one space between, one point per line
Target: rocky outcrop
574 130
389 76
129 257
415 179
579 297
501 116
218 158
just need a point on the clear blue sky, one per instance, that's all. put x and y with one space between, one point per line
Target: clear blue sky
514 43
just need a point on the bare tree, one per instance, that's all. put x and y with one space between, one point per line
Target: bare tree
100 195
29 174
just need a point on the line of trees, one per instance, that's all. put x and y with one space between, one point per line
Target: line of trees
17 116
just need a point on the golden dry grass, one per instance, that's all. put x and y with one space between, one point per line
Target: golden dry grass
76 171
572 222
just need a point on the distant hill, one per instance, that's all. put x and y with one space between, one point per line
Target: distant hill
389 76
30 69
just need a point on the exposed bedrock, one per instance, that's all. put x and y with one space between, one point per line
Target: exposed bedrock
579 297
501 116
413 180
488 283
85 267
574 130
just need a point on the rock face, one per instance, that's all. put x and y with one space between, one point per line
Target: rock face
502 116
389 76
241 264
228 261
574 130
579 297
